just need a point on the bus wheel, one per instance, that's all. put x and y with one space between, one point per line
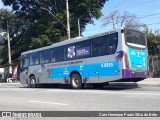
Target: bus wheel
76 81
32 82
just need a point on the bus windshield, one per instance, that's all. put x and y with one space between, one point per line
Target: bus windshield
135 38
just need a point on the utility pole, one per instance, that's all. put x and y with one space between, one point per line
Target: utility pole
67 11
68 23
79 29
9 46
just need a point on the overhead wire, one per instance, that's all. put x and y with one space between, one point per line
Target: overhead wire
149 15
137 4
118 4
134 3
95 29
154 14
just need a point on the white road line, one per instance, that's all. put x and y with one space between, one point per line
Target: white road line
48 103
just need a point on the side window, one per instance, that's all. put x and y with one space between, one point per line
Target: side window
57 54
34 58
25 61
69 52
45 57
105 45
97 46
112 43
83 49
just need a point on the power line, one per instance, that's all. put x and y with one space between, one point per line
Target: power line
153 23
118 4
98 29
95 29
102 28
137 4
126 2
149 15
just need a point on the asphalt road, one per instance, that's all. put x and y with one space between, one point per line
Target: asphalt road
111 98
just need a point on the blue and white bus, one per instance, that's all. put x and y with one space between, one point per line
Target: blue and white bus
118 55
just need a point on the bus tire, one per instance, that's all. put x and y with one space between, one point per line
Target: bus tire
76 81
32 82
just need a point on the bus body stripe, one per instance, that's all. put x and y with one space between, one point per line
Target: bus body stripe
103 69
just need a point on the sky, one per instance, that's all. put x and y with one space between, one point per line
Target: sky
148 10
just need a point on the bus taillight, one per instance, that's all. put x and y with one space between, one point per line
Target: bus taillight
126 61
146 73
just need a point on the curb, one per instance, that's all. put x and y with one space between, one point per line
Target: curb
150 82
10 85
149 85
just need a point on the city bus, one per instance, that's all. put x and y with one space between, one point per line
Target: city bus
117 55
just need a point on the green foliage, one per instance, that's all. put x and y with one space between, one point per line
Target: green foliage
1 48
153 44
39 23
17 27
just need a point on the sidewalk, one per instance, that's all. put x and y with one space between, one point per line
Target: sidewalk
150 82
10 85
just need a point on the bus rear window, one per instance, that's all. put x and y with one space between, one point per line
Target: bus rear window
134 37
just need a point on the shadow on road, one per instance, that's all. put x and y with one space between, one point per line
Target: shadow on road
111 86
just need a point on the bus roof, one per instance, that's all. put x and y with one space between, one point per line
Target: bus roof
72 40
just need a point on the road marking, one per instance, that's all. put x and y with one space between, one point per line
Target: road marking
43 102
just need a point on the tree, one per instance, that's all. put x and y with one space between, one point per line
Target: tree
15 30
119 20
112 18
39 26
33 10
153 44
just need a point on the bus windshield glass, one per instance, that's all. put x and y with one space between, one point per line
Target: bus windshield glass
135 38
